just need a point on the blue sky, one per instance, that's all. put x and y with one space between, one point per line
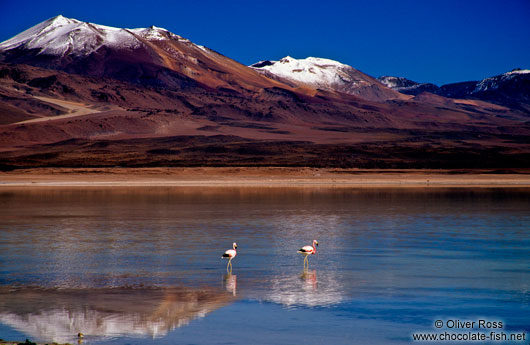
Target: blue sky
427 41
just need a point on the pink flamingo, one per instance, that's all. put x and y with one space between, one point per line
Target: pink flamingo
230 254
308 250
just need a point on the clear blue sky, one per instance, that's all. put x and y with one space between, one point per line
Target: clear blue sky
425 40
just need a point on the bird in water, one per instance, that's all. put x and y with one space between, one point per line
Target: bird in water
230 254
308 250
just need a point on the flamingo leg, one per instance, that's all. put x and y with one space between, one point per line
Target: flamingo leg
229 264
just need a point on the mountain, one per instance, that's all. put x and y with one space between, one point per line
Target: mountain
406 86
511 89
514 81
326 74
147 56
80 94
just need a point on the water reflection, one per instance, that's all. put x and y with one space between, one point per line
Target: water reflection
310 279
306 289
230 283
386 256
58 315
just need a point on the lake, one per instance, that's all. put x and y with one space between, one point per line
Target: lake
143 265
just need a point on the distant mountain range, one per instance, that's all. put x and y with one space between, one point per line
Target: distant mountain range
511 89
74 93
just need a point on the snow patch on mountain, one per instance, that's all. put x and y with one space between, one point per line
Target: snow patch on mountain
407 86
390 82
154 33
397 82
319 72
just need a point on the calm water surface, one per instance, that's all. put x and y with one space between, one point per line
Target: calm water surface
143 265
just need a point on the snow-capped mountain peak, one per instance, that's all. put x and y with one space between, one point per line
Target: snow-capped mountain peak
60 36
494 83
518 71
326 74
319 72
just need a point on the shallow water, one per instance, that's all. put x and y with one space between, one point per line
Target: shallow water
142 265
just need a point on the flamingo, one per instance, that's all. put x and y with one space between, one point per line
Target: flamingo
230 254
308 250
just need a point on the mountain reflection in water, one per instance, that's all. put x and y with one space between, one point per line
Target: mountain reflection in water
58 315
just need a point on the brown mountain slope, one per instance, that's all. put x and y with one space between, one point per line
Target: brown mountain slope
108 122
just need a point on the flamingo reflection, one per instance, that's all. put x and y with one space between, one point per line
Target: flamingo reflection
308 288
230 283
310 280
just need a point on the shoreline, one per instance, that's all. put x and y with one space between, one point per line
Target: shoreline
262 177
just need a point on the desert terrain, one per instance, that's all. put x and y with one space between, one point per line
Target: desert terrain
261 177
